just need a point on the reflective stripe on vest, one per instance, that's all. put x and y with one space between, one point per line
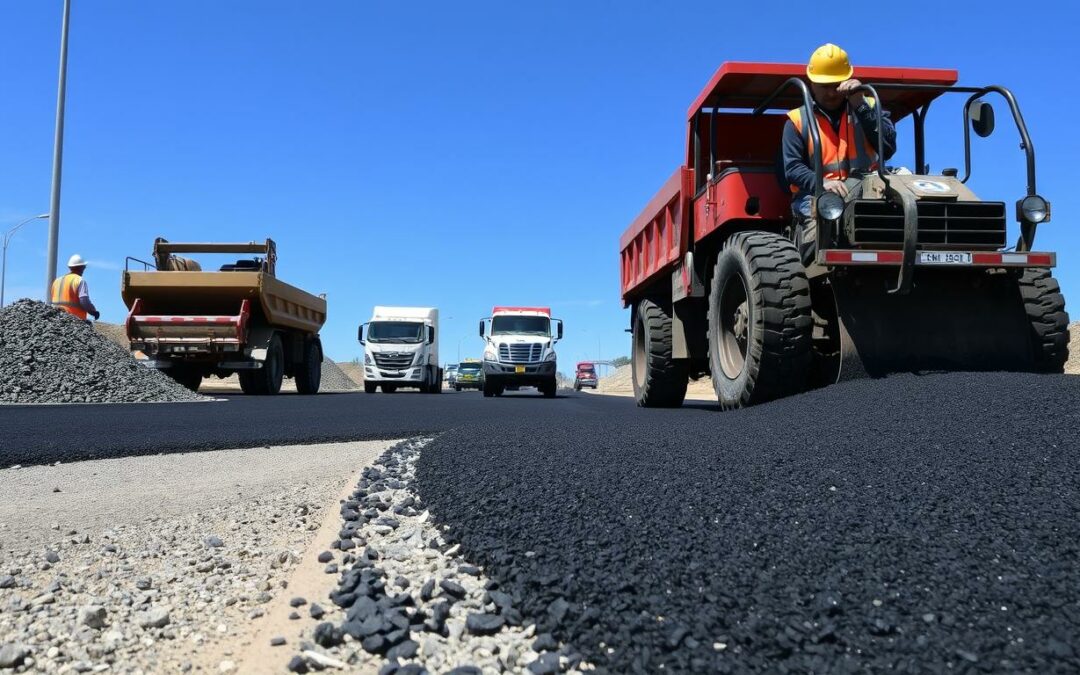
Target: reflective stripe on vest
65 294
845 150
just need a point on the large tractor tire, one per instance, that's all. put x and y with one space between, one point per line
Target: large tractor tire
371 387
1045 308
266 380
309 373
186 376
659 379
760 324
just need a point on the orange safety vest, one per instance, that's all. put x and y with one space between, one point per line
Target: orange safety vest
65 294
844 151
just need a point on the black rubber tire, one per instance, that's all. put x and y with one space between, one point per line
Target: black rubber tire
1045 308
371 387
659 380
772 315
389 388
489 388
309 374
186 376
457 388
550 389
266 381
436 385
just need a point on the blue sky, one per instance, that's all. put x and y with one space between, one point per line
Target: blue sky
457 155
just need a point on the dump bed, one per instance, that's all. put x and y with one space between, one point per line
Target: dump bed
178 302
180 294
654 241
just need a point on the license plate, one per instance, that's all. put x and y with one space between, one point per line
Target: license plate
519 369
944 258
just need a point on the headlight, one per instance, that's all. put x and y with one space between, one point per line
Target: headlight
550 356
367 359
490 355
1034 209
830 206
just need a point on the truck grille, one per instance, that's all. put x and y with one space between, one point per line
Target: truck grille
393 361
965 225
520 353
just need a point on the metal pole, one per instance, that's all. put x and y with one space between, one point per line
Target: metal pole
58 154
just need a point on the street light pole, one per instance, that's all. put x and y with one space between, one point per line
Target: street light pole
58 154
7 240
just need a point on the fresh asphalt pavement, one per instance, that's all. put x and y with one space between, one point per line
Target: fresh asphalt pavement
913 524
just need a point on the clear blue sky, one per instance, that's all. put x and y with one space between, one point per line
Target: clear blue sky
458 155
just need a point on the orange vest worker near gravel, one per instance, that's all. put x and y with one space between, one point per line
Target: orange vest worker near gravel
71 292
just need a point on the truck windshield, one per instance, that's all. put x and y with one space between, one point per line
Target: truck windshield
395 331
469 368
587 371
527 325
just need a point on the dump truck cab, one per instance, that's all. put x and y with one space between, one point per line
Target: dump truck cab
913 271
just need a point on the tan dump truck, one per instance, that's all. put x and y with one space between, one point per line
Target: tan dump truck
242 319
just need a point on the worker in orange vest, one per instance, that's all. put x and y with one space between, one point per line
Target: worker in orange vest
847 125
71 292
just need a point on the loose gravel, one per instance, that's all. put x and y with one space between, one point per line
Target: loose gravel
128 580
408 602
914 524
334 378
49 356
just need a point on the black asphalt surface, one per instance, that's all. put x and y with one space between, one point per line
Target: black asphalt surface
916 524
43 434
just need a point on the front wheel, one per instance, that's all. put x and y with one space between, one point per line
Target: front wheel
549 389
389 388
370 387
1045 308
759 321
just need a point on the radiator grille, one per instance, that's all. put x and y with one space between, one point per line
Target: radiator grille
393 361
520 353
962 225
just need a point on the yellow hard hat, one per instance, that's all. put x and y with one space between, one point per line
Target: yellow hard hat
828 64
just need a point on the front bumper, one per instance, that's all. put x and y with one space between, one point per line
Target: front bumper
586 384
525 374
409 376
472 383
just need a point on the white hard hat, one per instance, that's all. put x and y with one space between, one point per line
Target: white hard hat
76 261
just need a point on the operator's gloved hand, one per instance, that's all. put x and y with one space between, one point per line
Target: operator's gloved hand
97 316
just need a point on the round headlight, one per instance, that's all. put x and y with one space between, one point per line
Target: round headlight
1034 209
830 206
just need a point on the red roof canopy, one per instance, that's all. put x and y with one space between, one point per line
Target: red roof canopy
521 310
745 85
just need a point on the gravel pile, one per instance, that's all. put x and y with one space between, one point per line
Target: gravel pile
1072 366
912 524
334 378
165 595
407 602
621 382
114 332
49 356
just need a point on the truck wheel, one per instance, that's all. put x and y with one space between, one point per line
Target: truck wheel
389 388
550 389
457 388
186 376
309 375
1045 308
659 380
489 388
370 387
759 320
266 380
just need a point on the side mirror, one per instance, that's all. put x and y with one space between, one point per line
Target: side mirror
481 328
431 335
559 330
360 334
982 118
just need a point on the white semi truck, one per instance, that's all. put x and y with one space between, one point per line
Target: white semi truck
519 349
401 349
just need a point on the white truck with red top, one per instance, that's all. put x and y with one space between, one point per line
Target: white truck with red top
519 349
